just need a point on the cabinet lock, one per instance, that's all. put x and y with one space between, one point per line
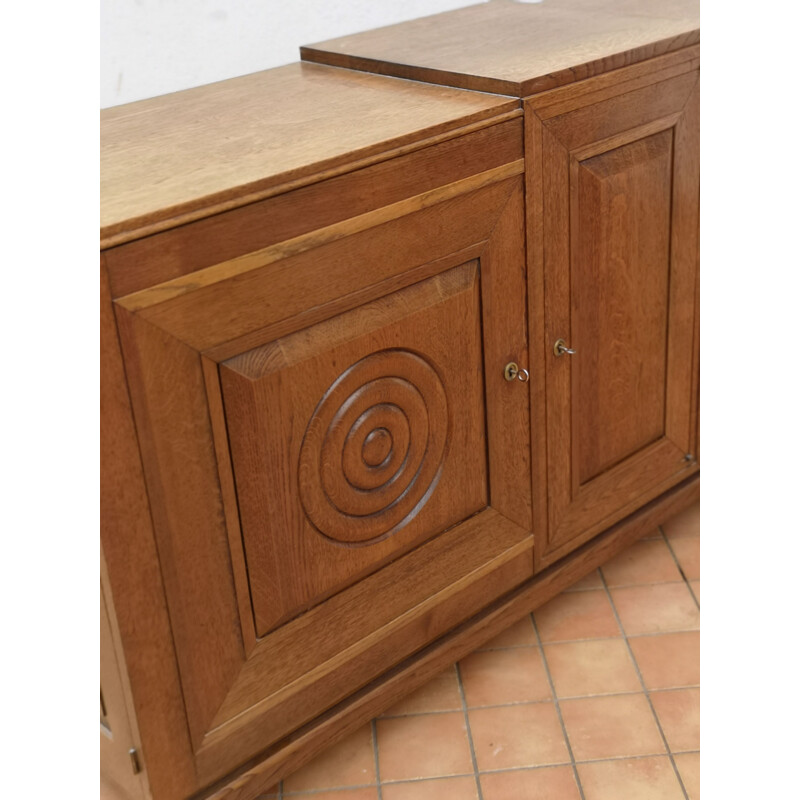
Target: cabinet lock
561 347
513 370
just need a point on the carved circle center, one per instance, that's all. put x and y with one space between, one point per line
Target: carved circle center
377 447
374 447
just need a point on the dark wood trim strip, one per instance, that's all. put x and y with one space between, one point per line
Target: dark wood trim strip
440 77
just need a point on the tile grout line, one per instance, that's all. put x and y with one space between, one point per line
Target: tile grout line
680 568
548 700
280 790
465 712
558 708
501 770
374 728
593 638
644 687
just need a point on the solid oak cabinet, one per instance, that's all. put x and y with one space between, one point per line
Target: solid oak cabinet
371 392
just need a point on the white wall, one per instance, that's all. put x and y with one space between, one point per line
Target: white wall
152 47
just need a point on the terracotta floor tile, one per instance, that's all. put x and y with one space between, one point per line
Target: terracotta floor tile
642 562
439 694
679 714
687 551
519 634
630 779
654 534
655 608
496 677
603 666
687 523
689 767
576 615
545 783
517 736
669 660
590 581
438 789
611 727
351 762
696 589
423 747
363 793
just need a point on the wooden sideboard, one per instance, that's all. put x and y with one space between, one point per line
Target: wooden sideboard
385 365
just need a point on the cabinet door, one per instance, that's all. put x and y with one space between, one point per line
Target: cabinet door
615 262
339 471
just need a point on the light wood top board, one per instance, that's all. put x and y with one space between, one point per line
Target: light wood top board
518 48
182 156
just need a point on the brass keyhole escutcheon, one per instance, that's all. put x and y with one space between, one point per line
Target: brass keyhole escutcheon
513 370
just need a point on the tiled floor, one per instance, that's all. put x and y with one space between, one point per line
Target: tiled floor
594 696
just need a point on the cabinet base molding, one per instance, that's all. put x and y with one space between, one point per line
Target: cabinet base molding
288 755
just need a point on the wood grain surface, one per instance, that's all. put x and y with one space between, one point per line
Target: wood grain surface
134 577
267 237
221 145
165 256
434 588
323 307
408 365
618 283
518 49
279 290
168 396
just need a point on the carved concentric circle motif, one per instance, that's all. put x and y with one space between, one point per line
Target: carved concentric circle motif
374 447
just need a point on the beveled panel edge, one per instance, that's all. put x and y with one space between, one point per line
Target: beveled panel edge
276 716
264 335
230 503
485 517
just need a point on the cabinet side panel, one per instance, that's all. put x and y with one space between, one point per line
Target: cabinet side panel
134 578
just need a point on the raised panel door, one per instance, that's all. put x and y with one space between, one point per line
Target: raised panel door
357 439
618 198
337 468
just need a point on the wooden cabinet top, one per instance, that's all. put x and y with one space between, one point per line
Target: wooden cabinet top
182 156
518 48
